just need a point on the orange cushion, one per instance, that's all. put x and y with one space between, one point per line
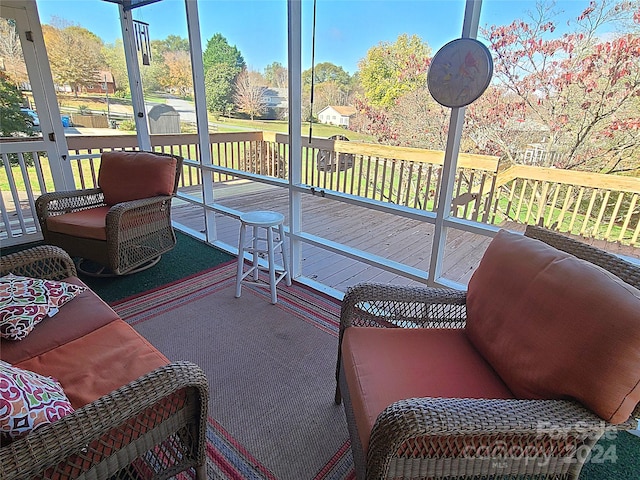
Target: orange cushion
90 223
71 322
384 365
126 176
554 326
98 363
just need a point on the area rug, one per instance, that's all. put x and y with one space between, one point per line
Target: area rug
271 372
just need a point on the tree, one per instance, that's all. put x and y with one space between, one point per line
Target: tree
11 52
391 69
222 65
326 72
116 63
219 51
276 75
175 43
12 120
75 55
179 71
583 90
249 94
218 84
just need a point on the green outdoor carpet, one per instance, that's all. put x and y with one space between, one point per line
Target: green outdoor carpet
188 257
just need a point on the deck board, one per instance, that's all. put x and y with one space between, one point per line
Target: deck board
388 236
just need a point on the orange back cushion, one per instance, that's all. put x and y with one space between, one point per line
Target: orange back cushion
554 326
126 176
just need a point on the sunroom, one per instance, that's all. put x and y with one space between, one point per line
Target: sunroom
354 210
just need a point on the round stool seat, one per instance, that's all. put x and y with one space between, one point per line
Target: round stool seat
262 218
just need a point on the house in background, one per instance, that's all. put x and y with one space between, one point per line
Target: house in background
277 101
336 115
104 82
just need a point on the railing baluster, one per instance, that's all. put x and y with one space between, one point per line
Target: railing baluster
542 203
614 214
603 207
592 201
392 177
576 208
523 190
627 219
565 206
531 201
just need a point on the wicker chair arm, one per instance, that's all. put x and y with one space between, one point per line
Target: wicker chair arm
55 443
135 214
466 427
57 203
384 305
43 261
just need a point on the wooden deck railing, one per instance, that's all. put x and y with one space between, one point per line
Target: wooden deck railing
598 206
582 203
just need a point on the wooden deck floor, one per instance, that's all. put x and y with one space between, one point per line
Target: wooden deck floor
389 236
378 233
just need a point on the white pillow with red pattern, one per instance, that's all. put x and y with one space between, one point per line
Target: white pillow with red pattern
25 302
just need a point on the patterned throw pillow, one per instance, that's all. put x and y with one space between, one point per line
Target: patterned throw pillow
28 401
24 302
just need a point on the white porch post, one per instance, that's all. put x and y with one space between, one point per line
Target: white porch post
135 82
294 52
44 94
202 120
447 179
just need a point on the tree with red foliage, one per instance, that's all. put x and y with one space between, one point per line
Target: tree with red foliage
577 94
583 91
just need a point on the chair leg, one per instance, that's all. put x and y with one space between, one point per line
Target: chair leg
243 230
272 266
285 256
256 256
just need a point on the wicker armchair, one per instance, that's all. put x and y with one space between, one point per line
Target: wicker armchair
426 437
153 427
131 236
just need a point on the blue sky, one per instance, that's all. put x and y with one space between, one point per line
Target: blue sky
345 29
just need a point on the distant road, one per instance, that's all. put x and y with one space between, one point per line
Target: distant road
187 110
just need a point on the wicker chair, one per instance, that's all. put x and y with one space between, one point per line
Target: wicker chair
153 427
423 437
132 234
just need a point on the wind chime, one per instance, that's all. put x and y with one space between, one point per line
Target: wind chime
143 42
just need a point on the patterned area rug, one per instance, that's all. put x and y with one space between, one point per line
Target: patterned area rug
270 370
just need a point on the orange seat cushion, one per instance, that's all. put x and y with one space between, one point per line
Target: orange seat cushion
97 363
72 321
90 223
554 326
126 176
384 365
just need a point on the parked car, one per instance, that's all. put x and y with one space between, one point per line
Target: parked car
32 118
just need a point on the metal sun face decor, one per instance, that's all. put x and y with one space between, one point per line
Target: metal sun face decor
460 72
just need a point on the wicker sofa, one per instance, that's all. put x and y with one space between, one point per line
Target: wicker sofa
439 383
136 414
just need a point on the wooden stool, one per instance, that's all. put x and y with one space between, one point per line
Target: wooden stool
257 245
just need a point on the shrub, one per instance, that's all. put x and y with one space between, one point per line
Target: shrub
128 125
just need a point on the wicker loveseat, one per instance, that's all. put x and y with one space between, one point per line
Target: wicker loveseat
518 377
137 416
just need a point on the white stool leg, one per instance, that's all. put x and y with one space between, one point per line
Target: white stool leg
272 265
256 256
285 256
243 229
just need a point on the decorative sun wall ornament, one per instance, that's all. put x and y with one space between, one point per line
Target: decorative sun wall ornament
460 72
